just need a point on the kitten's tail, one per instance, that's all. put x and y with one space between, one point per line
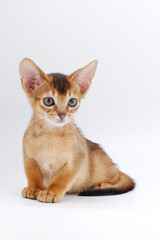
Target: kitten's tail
124 185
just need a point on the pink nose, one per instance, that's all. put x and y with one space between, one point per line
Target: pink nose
62 115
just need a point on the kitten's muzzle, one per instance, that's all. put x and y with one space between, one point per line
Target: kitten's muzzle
62 115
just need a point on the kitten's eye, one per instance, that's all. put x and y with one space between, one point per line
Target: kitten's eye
72 102
48 101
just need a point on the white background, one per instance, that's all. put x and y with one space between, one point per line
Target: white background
121 111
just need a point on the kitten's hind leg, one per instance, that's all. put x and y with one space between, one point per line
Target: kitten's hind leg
119 185
106 184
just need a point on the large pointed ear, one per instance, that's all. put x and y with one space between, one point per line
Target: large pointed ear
32 76
82 78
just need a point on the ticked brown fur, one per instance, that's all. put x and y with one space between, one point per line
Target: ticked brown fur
57 157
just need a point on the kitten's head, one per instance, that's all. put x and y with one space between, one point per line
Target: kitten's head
55 97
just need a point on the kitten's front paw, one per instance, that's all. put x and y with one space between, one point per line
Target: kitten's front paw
48 197
31 193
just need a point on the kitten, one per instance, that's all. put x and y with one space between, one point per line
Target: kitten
58 159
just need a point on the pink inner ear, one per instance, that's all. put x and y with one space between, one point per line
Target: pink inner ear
84 79
30 75
85 75
83 86
33 84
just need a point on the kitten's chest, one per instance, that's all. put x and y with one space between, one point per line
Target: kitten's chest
46 157
50 152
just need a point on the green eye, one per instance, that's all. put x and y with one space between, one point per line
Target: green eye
48 101
72 102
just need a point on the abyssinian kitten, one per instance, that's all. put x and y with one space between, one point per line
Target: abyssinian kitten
58 159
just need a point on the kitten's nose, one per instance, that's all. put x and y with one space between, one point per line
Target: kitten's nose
62 115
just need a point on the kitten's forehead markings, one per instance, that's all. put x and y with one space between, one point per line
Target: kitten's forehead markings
60 83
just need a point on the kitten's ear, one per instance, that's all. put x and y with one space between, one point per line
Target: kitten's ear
32 76
82 78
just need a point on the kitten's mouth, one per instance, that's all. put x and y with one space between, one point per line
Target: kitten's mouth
58 121
61 120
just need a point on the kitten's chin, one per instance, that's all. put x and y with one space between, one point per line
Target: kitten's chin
57 122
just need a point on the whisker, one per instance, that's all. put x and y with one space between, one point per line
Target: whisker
42 128
37 124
